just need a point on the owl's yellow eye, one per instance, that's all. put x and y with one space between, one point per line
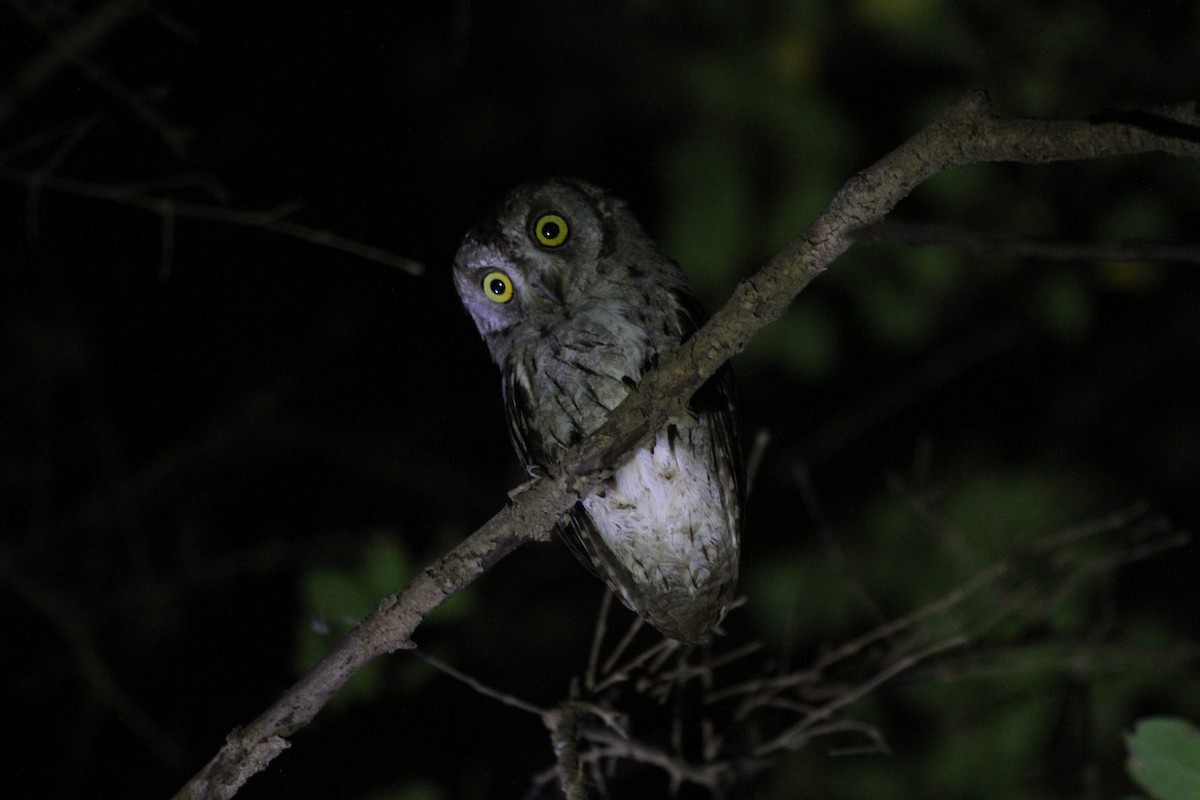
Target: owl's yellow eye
550 230
497 287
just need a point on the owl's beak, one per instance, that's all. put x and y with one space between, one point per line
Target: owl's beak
552 287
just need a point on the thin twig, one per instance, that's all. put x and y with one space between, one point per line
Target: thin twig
90 663
661 649
87 34
176 137
758 448
796 735
621 647
483 689
264 220
1117 520
991 244
678 769
589 679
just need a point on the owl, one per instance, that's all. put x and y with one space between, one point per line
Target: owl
575 304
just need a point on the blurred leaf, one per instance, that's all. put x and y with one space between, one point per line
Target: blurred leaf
893 314
336 594
707 224
793 55
803 597
1164 758
956 186
1136 217
1065 304
998 511
900 295
1003 738
386 565
335 599
932 272
803 341
914 25
413 790
920 551
1131 277
756 118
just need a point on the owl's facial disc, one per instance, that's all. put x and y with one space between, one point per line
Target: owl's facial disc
488 283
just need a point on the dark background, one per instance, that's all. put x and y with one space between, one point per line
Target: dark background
201 454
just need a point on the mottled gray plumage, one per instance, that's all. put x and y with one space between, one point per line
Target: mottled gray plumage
576 303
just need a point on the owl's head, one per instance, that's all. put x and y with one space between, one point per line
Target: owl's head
551 248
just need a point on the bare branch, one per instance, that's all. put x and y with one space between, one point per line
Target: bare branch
477 685
796 735
563 724
809 703
166 208
85 36
678 769
965 133
991 244
68 621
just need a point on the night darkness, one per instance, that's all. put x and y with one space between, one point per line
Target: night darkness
212 434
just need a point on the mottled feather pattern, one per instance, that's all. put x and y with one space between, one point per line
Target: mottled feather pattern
575 303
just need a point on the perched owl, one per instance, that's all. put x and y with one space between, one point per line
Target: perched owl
576 303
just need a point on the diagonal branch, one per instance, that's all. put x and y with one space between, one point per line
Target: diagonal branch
965 133
86 35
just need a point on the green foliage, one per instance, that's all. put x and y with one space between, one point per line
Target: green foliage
1137 217
1164 758
804 342
800 595
913 547
901 304
710 232
755 114
413 790
976 732
335 598
1065 304
910 554
977 518
912 26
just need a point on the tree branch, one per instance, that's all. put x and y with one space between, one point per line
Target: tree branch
168 210
87 34
1022 247
965 133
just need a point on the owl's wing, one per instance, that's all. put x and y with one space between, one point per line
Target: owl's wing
580 536
519 411
715 400
575 530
